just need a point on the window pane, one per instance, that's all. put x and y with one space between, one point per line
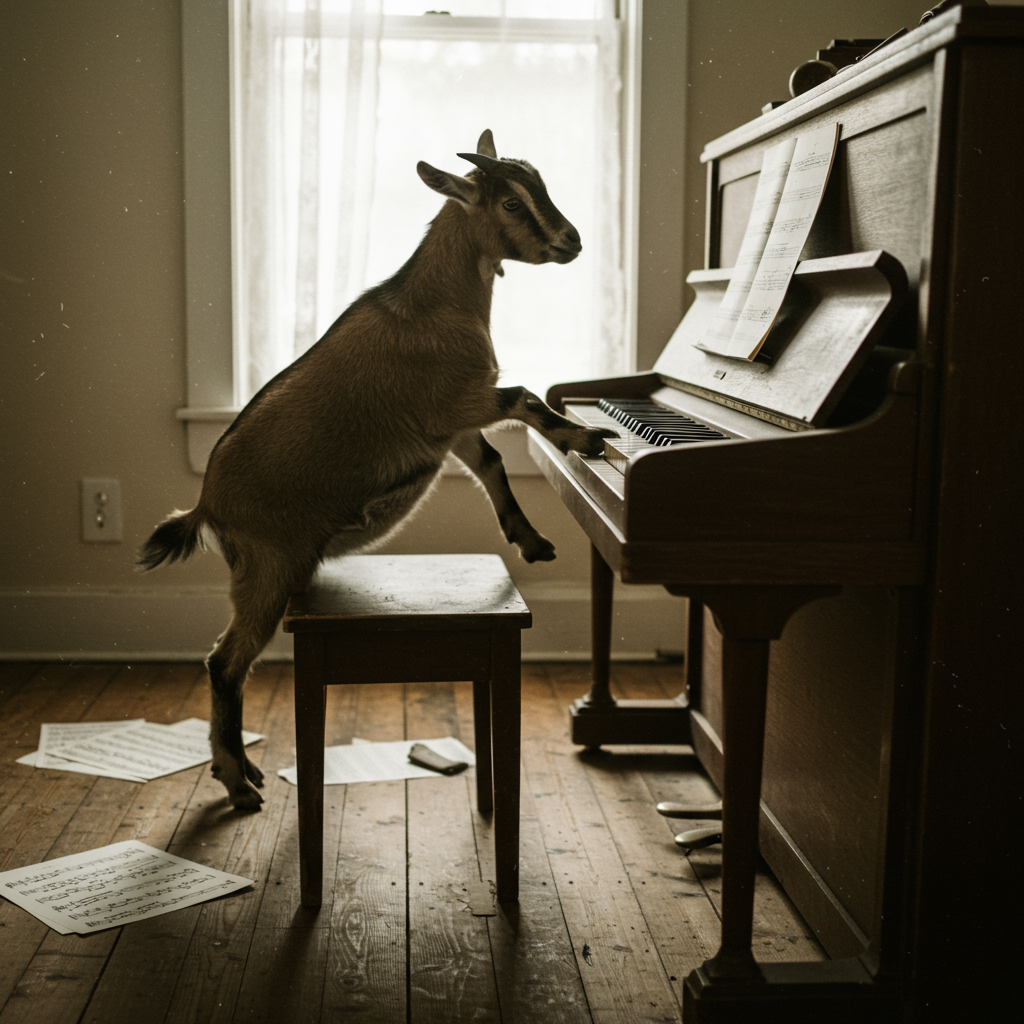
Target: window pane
435 99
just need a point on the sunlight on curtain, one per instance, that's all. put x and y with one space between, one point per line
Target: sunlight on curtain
339 101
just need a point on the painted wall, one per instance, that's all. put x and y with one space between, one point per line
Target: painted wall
92 315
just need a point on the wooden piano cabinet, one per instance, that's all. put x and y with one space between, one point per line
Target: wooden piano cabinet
863 693
889 785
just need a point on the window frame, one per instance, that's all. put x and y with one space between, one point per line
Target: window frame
651 160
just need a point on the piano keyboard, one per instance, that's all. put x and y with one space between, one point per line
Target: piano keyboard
656 425
642 424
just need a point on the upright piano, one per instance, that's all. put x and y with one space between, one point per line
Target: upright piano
845 523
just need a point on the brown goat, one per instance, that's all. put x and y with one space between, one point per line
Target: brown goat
338 449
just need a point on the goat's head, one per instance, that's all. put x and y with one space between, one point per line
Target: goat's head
508 207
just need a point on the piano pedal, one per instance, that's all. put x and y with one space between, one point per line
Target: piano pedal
709 812
698 838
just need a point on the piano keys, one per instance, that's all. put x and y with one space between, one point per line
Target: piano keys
642 424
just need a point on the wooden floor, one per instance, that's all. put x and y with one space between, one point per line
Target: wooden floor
611 917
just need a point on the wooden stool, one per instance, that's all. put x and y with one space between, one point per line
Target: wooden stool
412 618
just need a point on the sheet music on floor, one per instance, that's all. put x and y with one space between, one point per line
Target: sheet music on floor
794 174
112 886
134 750
364 761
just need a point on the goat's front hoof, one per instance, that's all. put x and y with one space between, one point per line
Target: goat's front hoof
537 549
592 441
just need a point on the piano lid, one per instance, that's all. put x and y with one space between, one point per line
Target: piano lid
835 310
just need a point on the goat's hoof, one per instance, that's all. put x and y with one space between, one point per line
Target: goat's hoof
538 549
246 800
593 441
253 774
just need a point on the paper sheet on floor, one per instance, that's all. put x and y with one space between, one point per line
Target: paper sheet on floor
135 750
112 886
362 761
57 733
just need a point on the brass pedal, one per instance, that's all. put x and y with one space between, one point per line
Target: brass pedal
708 812
698 838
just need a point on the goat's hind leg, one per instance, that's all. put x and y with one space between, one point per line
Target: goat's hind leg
485 463
519 404
250 630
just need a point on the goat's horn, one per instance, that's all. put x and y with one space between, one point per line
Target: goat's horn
485 144
485 163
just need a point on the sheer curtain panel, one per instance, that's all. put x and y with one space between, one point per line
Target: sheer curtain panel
335 102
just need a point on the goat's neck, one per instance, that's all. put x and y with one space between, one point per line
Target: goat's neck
450 269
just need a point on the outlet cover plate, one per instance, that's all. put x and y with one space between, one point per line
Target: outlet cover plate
101 511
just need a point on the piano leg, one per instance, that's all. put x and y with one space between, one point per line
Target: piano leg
602 586
744 697
749 618
598 717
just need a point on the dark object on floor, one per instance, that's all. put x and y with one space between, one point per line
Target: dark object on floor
422 755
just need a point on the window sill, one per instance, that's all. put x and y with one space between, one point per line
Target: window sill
203 427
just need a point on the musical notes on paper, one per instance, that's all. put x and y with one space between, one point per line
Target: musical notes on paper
134 750
794 174
112 886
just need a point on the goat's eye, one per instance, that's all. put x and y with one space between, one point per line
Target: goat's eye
511 204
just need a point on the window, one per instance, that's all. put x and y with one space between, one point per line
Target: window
336 100
218 378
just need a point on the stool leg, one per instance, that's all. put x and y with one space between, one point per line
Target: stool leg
482 734
310 699
505 738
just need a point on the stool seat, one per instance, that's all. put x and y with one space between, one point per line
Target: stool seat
412 618
423 592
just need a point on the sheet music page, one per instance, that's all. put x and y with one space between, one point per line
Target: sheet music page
805 180
135 751
362 761
55 733
112 886
774 169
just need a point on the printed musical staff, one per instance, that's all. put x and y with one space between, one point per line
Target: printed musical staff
134 750
112 886
793 178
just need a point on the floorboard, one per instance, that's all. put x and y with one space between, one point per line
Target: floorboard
611 915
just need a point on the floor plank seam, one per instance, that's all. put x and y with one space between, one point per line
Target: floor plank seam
408 889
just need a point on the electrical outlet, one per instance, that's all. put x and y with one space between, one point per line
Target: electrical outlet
101 510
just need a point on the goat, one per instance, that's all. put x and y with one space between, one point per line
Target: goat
340 447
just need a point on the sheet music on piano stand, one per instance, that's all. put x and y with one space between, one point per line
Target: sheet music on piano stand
835 310
794 174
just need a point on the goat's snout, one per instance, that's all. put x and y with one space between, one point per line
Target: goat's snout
568 246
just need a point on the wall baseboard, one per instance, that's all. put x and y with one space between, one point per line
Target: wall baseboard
153 624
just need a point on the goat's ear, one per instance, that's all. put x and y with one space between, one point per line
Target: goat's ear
485 145
451 185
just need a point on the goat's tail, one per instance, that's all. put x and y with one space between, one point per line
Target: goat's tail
176 537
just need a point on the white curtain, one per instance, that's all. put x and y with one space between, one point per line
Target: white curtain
338 99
